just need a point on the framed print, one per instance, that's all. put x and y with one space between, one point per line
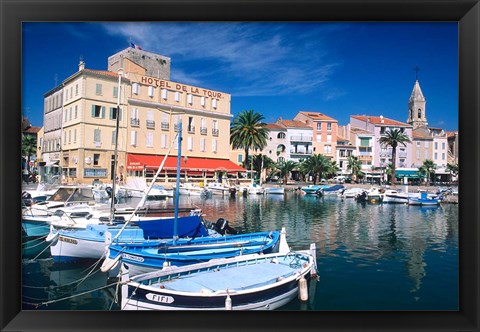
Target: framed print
328 79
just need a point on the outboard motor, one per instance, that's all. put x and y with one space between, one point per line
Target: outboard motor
222 227
232 191
109 191
27 198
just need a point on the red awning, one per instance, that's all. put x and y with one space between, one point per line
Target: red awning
139 161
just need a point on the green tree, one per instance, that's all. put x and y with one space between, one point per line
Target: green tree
247 131
318 165
355 167
428 168
453 169
262 162
284 168
29 147
393 138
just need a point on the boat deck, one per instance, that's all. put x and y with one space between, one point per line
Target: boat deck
234 278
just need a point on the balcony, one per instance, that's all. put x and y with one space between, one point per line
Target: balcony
135 122
191 129
215 132
165 125
150 124
301 138
386 154
402 154
203 130
176 127
300 152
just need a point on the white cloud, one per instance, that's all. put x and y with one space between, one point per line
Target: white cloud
244 59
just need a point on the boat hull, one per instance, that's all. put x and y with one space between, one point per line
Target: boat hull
252 282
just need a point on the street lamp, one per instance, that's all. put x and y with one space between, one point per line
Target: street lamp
117 125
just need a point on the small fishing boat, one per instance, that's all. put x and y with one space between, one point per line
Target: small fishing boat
393 196
147 257
333 190
275 190
255 189
352 192
191 189
248 282
313 189
218 188
423 200
374 195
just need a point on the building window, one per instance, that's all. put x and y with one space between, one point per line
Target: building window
76 111
202 144
426 144
418 154
135 88
75 136
240 158
281 159
419 113
202 101
66 95
69 136
281 135
436 145
329 138
443 145
76 89
98 111
319 126
149 140
133 138
97 136
190 143
164 94
151 90
115 92
190 99
113 114
214 103
436 156
150 120
134 120
177 96
215 128
214 146
96 159
443 156
98 89
163 141
329 126
113 137
191 125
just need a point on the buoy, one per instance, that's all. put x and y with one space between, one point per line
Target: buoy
303 289
228 302
166 264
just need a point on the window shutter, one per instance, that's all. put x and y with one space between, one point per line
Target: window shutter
164 94
190 99
111 112
93 111
190 143
102 115
214 103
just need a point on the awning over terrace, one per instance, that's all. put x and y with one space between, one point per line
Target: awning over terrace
192 164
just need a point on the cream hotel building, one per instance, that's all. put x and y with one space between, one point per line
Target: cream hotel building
151 108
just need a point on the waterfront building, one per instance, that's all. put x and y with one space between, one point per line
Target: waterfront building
381 156
52 125
277 143
345 149
151 108
452 138
325 131
31 131
299 139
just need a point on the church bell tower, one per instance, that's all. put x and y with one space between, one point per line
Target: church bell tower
416 107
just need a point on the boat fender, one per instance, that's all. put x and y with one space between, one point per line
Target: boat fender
228 302
166 264
303 289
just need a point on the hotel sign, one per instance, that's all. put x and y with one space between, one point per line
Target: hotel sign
180 87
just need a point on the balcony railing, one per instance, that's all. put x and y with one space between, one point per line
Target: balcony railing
385 154
135 122
165 125
215 132
191 129
402 154
300 152
176 127
203 130
150 124
301 138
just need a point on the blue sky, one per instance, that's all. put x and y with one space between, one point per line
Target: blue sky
276 69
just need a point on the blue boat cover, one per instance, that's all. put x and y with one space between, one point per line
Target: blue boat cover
190 226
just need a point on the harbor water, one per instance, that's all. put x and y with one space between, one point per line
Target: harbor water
369 256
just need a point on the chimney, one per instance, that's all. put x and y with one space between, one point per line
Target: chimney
81 65
381 118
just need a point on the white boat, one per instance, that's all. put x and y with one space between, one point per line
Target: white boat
395 196
248 282
255 189
374 195
218 188
275 190
352 192
191 189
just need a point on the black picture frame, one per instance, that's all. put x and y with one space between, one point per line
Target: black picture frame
466 13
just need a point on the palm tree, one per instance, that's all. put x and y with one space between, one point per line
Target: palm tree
355 167
393 138
428 168
284 168
332 168
247 131
453 169
29 147
261 162
318 165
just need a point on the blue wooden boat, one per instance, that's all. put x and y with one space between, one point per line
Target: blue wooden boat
313 189
148 257
423 200
249 282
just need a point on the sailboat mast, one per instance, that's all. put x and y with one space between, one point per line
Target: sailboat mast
177 186
117 125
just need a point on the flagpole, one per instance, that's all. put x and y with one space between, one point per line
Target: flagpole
177 185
